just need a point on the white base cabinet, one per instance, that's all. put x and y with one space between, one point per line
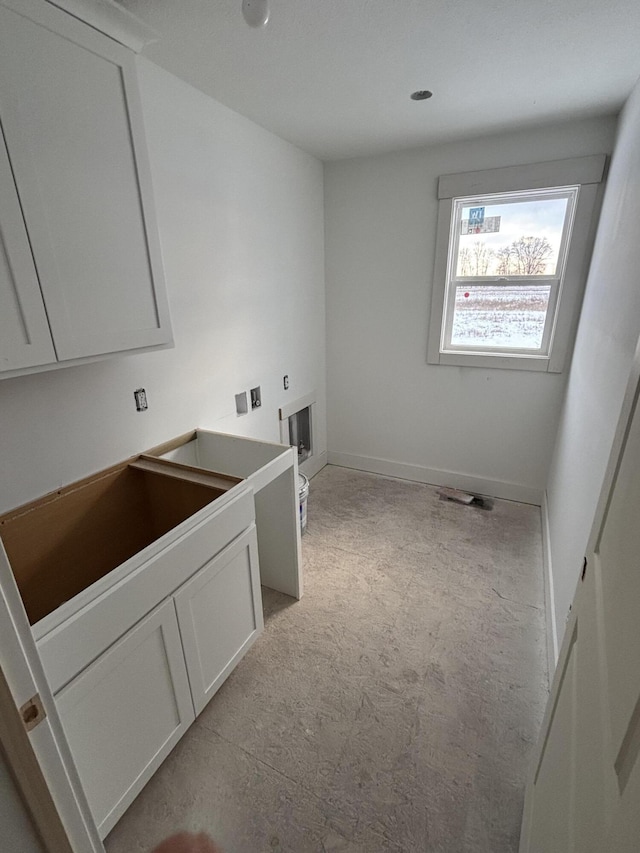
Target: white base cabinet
136 643
220 616
142 585
125 712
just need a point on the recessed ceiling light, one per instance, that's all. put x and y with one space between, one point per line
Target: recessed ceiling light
255 12
421 95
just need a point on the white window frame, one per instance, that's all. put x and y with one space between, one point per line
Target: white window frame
584 173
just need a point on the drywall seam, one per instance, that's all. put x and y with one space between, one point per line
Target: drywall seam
549 594
436 477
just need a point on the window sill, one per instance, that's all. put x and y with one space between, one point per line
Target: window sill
541 364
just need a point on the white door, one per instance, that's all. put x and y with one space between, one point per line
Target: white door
125 712
584 792
72 121
220 616
25 678
25 340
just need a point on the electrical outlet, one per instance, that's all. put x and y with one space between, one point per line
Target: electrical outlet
285 382
140 396
256 399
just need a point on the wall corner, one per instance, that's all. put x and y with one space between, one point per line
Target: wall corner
549 594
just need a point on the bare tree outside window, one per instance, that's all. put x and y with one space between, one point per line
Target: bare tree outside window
464 261
529 255
475 259
503 258
482 256
525 256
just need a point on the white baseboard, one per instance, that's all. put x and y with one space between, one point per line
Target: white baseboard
313 464
419 474
549 594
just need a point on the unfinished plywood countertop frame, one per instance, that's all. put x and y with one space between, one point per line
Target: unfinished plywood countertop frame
73 544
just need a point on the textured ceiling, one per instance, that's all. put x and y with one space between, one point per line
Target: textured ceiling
334 76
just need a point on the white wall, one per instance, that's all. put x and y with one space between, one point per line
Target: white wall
605 345
488 429
241 222
17 832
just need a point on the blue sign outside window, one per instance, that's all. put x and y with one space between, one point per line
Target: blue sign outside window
476 215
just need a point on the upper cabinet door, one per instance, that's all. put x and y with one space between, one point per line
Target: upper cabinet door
25 340
71 114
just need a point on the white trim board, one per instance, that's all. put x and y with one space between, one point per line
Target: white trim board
290 408
553 173
311 466
435 477
549 590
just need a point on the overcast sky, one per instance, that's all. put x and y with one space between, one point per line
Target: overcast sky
540 218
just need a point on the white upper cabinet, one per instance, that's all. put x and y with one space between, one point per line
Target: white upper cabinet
72 122
25 340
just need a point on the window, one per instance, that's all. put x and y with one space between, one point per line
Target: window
506 261
511 264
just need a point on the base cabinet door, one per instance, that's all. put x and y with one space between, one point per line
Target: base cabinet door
220 616
124 713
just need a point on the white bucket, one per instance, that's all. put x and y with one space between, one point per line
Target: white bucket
303 494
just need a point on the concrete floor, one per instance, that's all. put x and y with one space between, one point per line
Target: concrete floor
394 708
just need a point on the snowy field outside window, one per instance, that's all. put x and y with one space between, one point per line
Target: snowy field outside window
500 316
